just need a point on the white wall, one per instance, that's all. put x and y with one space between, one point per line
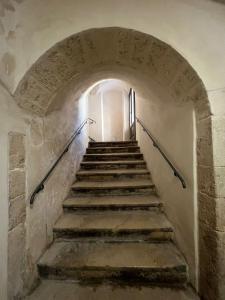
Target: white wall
108 106
172 125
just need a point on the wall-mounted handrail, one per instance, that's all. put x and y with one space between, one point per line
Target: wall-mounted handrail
41 185
155 144
91 139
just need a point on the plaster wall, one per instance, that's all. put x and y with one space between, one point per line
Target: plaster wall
113 115
173 126
108 106
44 140
95 112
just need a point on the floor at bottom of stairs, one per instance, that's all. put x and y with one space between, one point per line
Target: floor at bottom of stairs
59 290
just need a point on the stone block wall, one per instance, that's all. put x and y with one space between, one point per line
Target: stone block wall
17 215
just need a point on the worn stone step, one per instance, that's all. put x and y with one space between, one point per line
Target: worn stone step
101 175
122 187
113 144
70 290
112 156
127 149
151 263
135 202
122 225
119 164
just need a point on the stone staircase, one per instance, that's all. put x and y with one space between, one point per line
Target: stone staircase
113 229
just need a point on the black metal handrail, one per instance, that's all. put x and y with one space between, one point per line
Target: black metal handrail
91 139
41 185
176 173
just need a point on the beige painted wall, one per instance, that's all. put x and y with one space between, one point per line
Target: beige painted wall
45 138
173 126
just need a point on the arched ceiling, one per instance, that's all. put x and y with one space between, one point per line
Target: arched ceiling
100 53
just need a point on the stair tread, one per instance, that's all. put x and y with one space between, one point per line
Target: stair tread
114 154
60 290
113 142
114 148
145 256
116 172
114 221
115 162
113 200
112 184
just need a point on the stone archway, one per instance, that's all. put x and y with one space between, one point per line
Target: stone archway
83 59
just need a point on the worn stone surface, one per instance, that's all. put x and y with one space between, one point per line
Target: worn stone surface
16 256
211 181
218 137
16 150
16 183
99 175
147 224
117 164
113 149
17 215
212 273
116 187
95 246
211 212
126 48
17 211
109 260
59 290
112 156
113 202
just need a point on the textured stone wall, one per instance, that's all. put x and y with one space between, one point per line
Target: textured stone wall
76 55
17 215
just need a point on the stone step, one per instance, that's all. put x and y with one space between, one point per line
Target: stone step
112 144
70 290
147 263
112 156
101 175
122 187
127 149
114 225
134 202
119 164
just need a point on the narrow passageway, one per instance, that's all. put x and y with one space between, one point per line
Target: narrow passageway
114 232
